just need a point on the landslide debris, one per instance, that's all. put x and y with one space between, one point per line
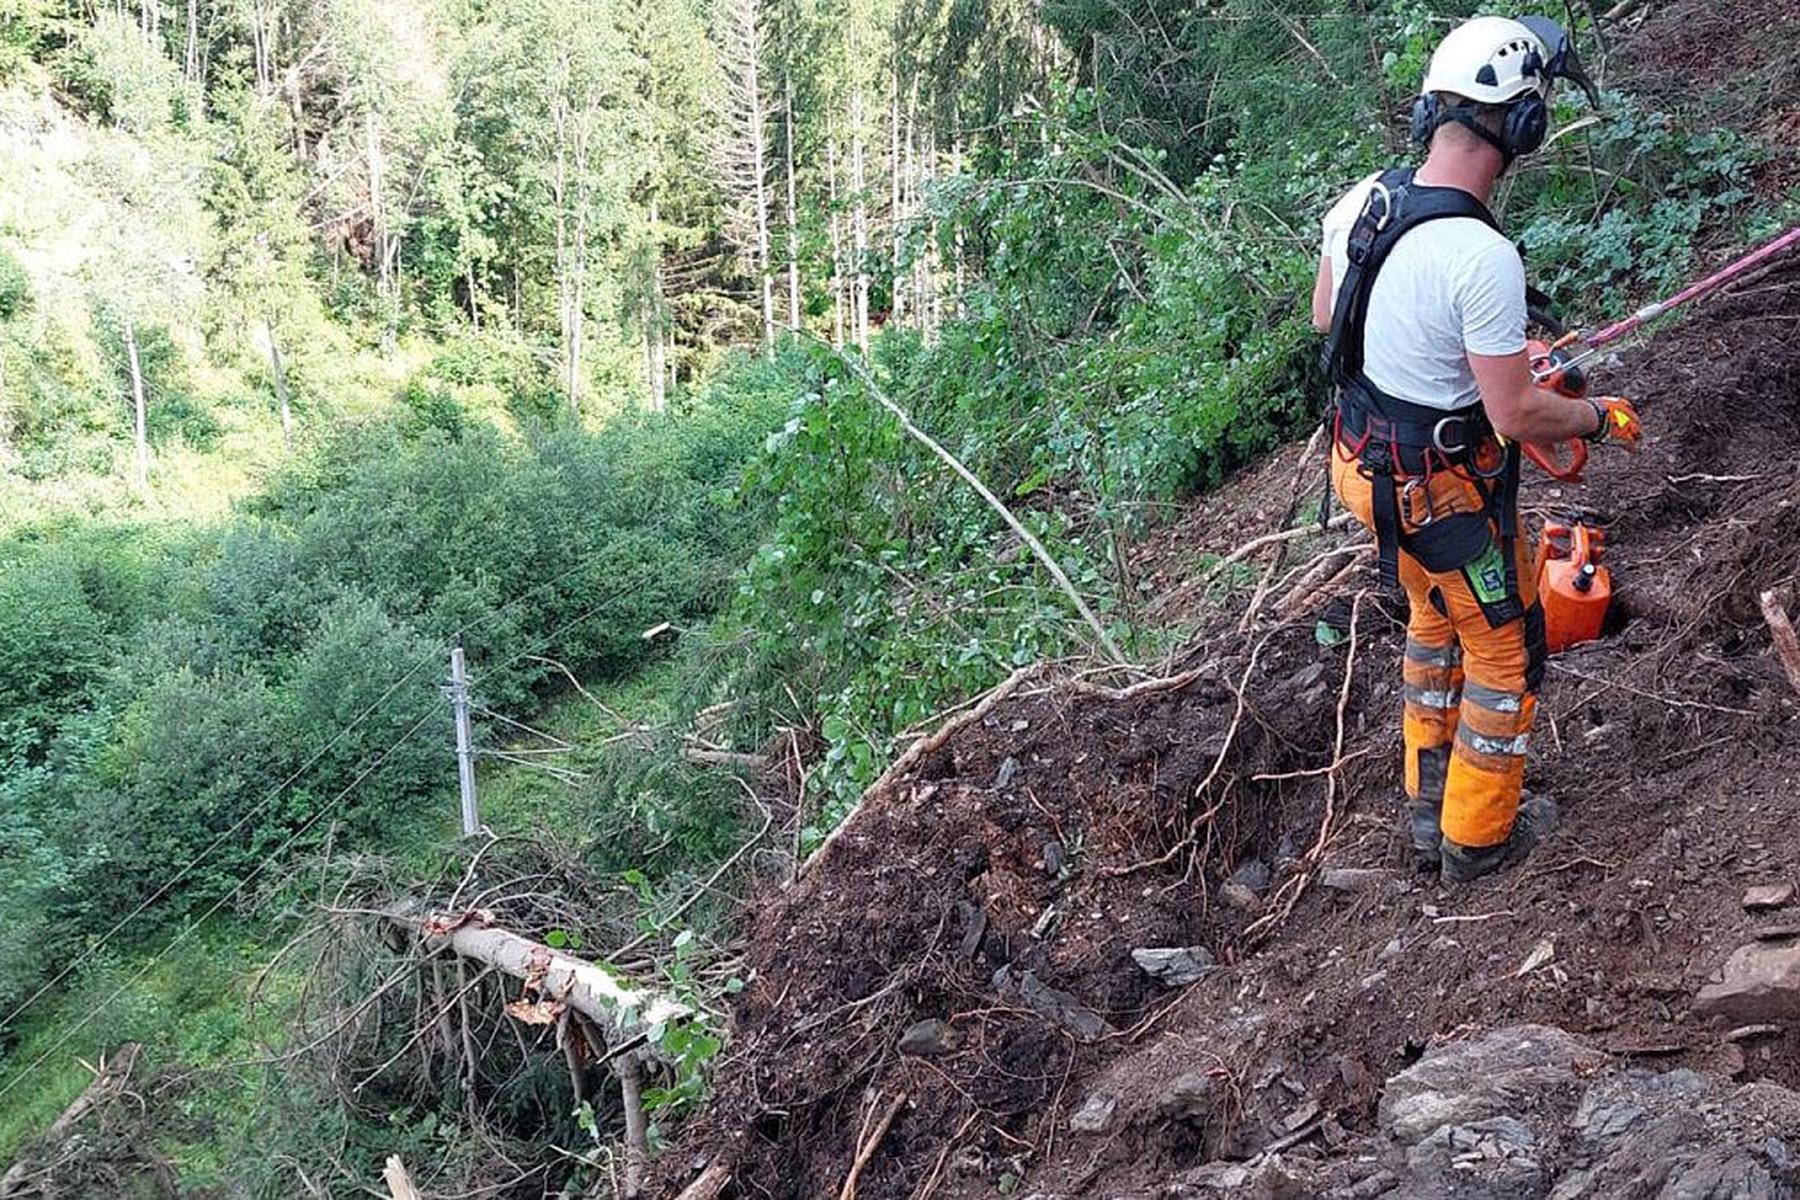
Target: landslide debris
1165 940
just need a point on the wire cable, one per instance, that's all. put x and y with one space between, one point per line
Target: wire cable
329 806
262 806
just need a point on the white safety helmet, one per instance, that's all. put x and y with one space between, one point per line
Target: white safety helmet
1490 60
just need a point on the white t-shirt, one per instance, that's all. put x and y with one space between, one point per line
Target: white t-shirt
1450 288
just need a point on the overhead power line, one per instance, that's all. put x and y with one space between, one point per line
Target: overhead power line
88 1017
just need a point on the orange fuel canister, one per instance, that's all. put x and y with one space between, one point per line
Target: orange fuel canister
1575 589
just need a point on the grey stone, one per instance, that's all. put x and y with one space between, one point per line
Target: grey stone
1352 879
929 1037
1254 874
1495 1157
1054 858
1598 1119
1188 1097
1220 1177
975 925
1724 1173
1175 966
1009 771
1378 1184
1761 983
1462 1083
1096 1114
1061 1007
1768 896
1236 895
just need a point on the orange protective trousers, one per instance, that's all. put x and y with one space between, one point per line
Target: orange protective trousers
1469 685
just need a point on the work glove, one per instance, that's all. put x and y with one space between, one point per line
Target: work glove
1618 422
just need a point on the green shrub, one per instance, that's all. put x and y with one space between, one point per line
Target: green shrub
15 286
123 76
53 648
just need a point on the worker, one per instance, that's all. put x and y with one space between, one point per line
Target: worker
1424 304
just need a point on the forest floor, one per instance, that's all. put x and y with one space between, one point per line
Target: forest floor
946 1003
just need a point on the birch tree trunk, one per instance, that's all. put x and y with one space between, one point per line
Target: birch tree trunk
559 196
281 385
262 38
190 59
141 412
654 318
896 202
859 214
793 222
838 322
579 250
759 157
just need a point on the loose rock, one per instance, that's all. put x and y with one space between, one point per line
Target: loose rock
1252 873
1096 1114
928 1038
1061 1007
1352 879
1761 983
1175 966
1236 895
1464 1083
1189 1097
1768 896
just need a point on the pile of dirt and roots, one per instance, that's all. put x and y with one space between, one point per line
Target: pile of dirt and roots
1155 937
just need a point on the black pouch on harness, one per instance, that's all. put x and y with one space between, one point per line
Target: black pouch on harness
1465 542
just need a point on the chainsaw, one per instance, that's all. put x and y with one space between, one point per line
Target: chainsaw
1556 364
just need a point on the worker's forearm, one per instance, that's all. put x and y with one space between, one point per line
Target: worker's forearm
1544 417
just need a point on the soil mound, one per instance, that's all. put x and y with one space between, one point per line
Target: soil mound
1163 940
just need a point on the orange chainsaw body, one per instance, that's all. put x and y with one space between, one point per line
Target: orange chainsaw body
1575 590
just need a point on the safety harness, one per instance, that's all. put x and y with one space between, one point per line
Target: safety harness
1400 445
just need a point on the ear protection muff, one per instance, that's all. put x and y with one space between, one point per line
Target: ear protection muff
1425 118
1526 125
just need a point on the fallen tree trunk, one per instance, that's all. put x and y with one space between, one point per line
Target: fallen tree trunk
109 1080
554 981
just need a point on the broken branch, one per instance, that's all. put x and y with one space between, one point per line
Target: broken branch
1787 645
869 1145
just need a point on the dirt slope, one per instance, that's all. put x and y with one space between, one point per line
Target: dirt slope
1001 889
962 955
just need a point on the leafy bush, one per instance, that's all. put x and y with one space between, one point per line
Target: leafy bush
53 648
15 286
122 75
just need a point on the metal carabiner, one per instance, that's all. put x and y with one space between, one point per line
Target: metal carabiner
1387 204
1437 437
1415 484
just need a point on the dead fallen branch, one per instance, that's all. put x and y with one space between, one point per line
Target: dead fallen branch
1787 645
1291 891
1019 528
1310 529
1323 579
554 981
399 1183
868 1144
109 1081
1144 687
711 1182
704 757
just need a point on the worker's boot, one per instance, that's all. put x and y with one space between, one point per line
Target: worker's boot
1465 864
1421 824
